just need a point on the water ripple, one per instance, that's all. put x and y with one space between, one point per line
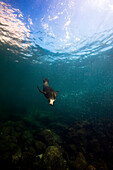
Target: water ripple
43 46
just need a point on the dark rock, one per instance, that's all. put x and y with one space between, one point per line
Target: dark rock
17 156
48 137
101 165
37 165
90 167
71 149
32 150
80 162
53 159
27 160
8 143
27 137
40 147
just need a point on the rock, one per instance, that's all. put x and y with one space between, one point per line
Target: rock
27 160
5 157
57 139
101 165
27 137
90 167
53 159
71 149
80 162
7 130
32 150
47 137
37 164
8 143
17 156
40 147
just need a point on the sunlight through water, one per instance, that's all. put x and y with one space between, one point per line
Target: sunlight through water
59 30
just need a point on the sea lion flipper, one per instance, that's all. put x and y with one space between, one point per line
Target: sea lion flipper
41 91
56 93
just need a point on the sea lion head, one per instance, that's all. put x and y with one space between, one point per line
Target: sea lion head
45 80
51 101
53 98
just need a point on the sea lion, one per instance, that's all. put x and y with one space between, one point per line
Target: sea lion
48 92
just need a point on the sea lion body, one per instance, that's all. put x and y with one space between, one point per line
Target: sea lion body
48 92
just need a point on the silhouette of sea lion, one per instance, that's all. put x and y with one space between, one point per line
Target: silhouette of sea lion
49 93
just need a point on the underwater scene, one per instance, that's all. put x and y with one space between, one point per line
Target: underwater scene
56 84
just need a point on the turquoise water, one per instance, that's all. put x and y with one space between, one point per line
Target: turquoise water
85 86
78 61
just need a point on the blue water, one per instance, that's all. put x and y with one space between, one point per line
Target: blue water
71 44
